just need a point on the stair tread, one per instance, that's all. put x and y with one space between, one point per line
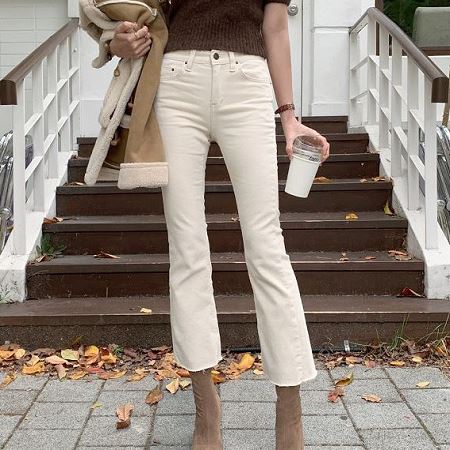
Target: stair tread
144 262
366 219
115 310
106 187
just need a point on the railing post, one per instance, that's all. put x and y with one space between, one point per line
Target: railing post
52 118
371 71
19 231
64 94
430 145
383 89
396 109
355 118
76 88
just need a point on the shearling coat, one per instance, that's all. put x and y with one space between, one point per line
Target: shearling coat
144 163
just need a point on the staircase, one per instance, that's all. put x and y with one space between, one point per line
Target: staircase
348 280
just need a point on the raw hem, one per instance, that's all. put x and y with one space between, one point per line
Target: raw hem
311 377
199 368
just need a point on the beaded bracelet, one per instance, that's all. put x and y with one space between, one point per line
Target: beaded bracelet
285 108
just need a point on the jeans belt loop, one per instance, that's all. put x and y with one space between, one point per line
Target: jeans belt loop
232 61
190 60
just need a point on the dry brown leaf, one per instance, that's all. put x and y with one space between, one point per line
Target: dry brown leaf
351 216
55 360
107 357
353 360
61 371
77 375
19 353
387 210
246 362
8 354
9 378
370 363
183 373
53 219
321 179
416 359
103 254
173 386
32 370
370 257
217 376
123 413
70 354
33 360
344 381
335 393
379 178
184 384
91 351
397 363
146 311
423 384
154 396
371 398
408 292
258 372
363 180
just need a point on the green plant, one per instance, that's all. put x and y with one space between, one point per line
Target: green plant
46 250
402 11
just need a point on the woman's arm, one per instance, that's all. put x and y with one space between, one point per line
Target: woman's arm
276 39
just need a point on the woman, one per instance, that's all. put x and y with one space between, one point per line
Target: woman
222 64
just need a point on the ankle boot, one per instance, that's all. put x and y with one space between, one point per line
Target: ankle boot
288 423
207 432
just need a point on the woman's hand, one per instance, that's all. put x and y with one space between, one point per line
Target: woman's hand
292 128
129 41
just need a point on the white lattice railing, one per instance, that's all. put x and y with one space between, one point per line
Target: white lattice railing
49 112
394 90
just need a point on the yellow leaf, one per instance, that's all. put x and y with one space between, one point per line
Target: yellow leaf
371 398
114 375
7 354
217 376
107 356
55 359
351 216
345 380
78 374
173 386
184 384
9 378
33 360
146 311
96 405
32 370
258 372
70 355
416 359
423 384
246 362
154 396
19 353
387 210
91 351
397 363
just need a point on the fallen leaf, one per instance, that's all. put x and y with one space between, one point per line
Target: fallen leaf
61 371
379 178
55 359
387 210
351 216
103 254
371 398
246 362
321 179
107 356
183 373
146 310
70 354
32 370
184 384
78 374
353 360
9 378
258 372
416 359
173 386
397 363
19 353
363 180
91 351
154 396
9 354
96 405
53 219
344 381
408 292
423 384
335 393
370 257
218 377
123 413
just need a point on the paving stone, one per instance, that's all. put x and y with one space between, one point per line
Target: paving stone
182 402
437 425
381 387
382 415
333 447
101 431
249 375
7 425
248 391
411 439
322 381
70 391
53 416
329 430
248 415
28 382
359 372
43 440
445 447
173 430
146 384
428 400
166 447
119 448
110 400
316 402
16 402
248 439
408 377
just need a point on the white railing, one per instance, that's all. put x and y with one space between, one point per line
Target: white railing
51 116
393 88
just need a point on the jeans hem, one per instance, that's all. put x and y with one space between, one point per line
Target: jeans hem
295 383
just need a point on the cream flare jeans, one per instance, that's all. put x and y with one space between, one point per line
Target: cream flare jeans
226 97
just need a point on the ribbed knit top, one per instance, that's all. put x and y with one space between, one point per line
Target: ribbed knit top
233 25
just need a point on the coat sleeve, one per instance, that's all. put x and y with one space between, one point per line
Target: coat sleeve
286 2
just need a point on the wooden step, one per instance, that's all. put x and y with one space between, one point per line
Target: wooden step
317 231
346 165
147 274
339 143
331 319
322 124
106 199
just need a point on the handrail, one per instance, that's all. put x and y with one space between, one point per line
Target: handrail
8 85
440 83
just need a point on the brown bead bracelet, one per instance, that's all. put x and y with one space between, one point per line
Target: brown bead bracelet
285 108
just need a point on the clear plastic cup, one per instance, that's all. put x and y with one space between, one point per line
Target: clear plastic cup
307 151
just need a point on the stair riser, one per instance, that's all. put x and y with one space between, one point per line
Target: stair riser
323 334
324 127
154 241
317 282
124 203
219 172
336 146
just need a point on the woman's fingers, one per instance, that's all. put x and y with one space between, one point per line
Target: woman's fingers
143 49
126 27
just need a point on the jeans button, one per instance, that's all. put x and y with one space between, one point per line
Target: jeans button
216 56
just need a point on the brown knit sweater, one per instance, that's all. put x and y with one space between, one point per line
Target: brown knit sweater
217 25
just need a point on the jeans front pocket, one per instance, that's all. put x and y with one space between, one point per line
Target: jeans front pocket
255 70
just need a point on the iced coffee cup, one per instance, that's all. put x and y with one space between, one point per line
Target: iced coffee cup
306 158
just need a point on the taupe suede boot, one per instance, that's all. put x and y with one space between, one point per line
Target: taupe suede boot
288 423
207 433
